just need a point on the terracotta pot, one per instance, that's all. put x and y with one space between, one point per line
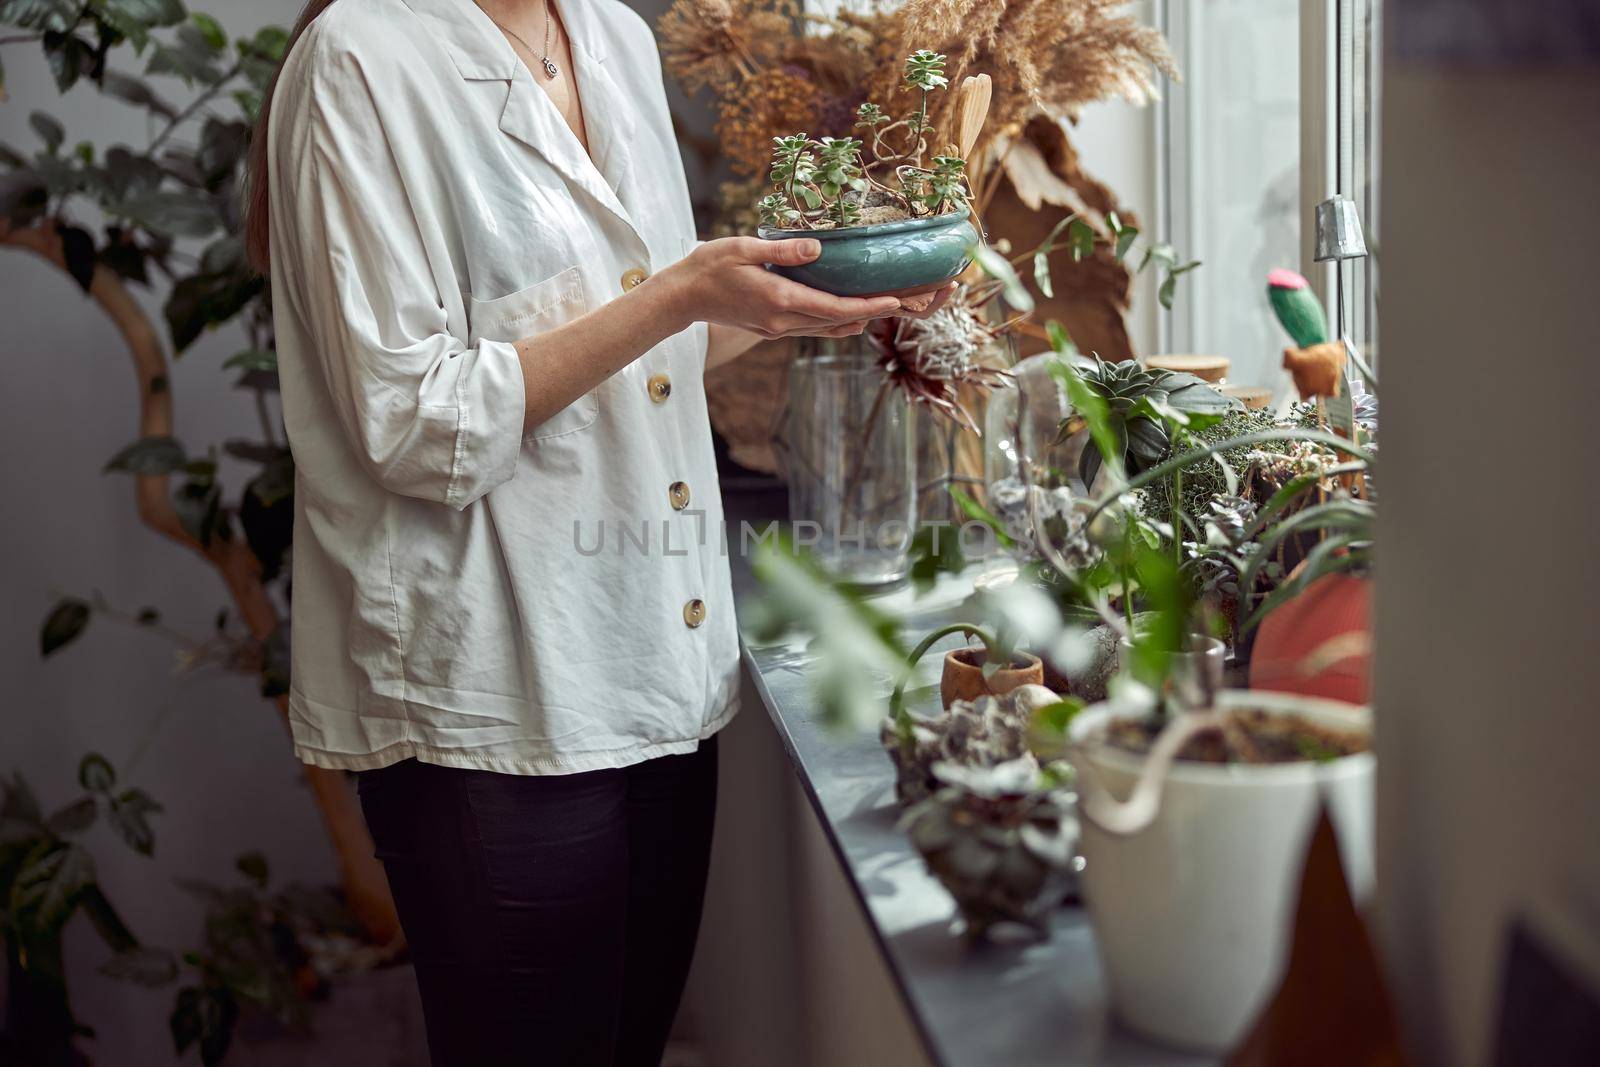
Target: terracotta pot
1319 643
963 675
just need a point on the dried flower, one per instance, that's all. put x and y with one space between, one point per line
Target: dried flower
1046 57
771 100
931 359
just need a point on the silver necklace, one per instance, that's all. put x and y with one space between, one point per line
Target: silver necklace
550 69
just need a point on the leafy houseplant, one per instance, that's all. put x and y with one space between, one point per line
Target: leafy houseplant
47 877
265 956
903 232
168 220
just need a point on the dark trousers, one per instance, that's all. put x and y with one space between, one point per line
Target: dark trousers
551 918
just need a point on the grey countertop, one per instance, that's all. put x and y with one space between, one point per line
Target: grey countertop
976 1005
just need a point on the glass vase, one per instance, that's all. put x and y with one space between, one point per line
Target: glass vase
1022 423
850 465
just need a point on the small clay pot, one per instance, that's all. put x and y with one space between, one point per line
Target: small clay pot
963 675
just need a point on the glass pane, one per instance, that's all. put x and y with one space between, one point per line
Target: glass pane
1357 104
1236 156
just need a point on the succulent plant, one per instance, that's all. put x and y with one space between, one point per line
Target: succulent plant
977 733
1132 395
823 183
999 840
1060 512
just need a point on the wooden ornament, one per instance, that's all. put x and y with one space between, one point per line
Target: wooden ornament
972 110
1213 369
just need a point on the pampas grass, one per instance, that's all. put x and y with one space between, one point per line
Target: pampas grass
1046 57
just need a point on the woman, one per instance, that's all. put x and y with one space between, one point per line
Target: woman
512 611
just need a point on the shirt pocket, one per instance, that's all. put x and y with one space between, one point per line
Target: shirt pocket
529 312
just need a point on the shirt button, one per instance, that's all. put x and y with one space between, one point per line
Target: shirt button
632 278
694 613
660 387
678 493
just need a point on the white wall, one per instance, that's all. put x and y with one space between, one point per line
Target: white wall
1487 626
213 752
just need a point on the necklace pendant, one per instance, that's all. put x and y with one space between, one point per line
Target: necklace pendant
550 68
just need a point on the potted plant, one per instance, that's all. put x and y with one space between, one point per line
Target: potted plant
1001 840
898 224
1191 880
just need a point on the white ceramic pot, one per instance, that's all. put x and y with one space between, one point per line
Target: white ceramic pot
1193 912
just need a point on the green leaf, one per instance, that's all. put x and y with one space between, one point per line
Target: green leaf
129 817
251 359
49 130
1147 444
269 43
95 773
136 91
1041 273
1081 239
199 508
185 1021
1060 340
210 30
143 965
1326 564
169 212
1105 431
190 56
202 301
70 57
55 15
935 550
1196 396
74 818
999 268
1168 291
48 885
77 252
1163 253
222 148
1126 235
978 513
64 624
253 865
105 920
149 455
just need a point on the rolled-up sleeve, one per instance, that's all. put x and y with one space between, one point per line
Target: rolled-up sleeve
429 415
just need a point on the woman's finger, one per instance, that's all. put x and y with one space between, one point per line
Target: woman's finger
849 329
803 300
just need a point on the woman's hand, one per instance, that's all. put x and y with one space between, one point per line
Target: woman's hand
726 282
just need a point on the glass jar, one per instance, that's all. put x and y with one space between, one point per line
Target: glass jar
850 465
1023 421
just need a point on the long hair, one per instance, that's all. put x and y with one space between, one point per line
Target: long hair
257 228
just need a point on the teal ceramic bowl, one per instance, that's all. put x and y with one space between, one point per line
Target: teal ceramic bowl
886 258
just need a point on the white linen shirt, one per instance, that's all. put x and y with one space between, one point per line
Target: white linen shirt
465 593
